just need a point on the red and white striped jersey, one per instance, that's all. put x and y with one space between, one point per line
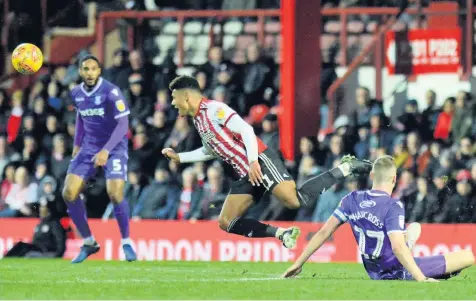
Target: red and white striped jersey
211 123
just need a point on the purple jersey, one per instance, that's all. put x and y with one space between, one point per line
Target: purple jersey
99 110
373 214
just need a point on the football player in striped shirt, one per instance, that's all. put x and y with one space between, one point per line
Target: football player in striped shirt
226 135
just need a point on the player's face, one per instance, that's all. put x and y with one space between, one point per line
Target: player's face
90 72
180 101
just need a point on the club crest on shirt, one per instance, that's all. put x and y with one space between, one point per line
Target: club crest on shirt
97 100
120 105
401 221
220 113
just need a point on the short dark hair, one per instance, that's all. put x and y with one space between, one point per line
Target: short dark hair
88 57
184 82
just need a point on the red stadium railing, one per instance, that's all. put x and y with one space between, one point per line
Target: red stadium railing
375 45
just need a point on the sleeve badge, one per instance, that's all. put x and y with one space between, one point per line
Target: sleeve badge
120 105
220 113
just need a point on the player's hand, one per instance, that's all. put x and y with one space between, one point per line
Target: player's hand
171 154
292 272
255 174
430 280
76 150
100 159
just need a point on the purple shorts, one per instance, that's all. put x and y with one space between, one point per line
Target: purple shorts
83 166
431 266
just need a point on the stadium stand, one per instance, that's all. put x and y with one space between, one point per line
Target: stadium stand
434 146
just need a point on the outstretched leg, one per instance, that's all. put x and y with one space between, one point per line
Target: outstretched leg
319 184
231 220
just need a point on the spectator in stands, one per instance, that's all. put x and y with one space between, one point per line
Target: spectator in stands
381 136
443 124
49 238
306 170
419 205
188 203
430 114
119 64
52 129
433 160
270 135
159 130
213 66
409 121
257 76
362 113
6 156
40 113
405 185
215 191
181 138
240 5
473 172
158 198
361 148
15 118
22 194
465 112
336 151
163 104
54 100
140 104
4 110
143 153
228 81
59 158
202 79
30 152
138 64
41 169
456 208
413 145
8 179
400 151
464 153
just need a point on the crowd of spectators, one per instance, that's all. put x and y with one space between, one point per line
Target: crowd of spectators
433 146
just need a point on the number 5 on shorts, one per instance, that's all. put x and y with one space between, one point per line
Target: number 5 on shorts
116 165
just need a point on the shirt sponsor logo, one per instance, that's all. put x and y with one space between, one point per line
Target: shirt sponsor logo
92 112
120 105
115 92
367 204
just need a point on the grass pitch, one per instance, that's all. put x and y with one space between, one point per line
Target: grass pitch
58 279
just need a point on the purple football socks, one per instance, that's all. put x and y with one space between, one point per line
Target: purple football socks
121 211
77 212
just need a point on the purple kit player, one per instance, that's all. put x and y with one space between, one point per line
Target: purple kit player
100 141
378 224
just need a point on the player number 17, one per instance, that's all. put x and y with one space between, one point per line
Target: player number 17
363 235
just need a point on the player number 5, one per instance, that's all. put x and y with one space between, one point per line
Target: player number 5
378 235
116 165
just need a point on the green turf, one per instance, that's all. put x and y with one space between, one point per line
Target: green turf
58 279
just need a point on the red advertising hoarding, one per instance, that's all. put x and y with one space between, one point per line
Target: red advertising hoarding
204 241
421 51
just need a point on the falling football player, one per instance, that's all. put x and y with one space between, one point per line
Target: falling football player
99 142
378 223
226 135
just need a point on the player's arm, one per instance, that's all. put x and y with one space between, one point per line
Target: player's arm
316 242
404 255
232 121
78 134
395 227
199 155
121 114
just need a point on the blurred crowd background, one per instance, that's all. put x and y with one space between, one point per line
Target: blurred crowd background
433 146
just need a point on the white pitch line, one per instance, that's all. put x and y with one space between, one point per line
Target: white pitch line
92 281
